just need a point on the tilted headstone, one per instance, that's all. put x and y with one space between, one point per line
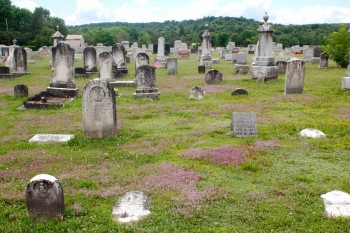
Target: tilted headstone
44 198
295 73
244 124
119 60
196 93
323 60
105 61
20 61
146 83
213 77
171 66
20 90
99 109
90 59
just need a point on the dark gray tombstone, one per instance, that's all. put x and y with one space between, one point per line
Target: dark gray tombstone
294 76
281 65
20 90
244 124
239 91
196 93
127 59
99 109
105 62
20 61
171 66
213 77
317 51
323 61
141 59
44 198
241 66
146 83
119 61
201 69
4 70
90 58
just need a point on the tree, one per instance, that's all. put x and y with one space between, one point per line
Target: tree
337 46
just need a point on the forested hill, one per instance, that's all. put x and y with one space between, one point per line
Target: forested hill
223 29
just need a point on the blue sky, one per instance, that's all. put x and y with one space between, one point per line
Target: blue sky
76 12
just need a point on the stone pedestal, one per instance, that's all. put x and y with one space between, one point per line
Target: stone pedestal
241 68
265 72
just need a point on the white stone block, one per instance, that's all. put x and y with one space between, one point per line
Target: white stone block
337 204
312 133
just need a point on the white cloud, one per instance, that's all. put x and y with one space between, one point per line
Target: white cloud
28 4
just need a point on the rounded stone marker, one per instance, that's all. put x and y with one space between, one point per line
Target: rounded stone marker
20 90
239 91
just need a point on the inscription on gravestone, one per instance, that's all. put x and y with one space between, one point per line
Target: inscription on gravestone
244 124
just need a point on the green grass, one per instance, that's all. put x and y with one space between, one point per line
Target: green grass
277 188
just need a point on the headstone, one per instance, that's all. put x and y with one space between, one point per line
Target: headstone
141 60
312 133
323 60
244 124
223 53
51 138
213 77
125 44
201 69
20 90
132 207
295 73
57 37
4 70
206 48
308 54
239 91
183 54
317 51
282 66
171 66
100 48
146 83
264 67
177 44
99 109
62 84
44 198
5 51
119 61
337 204
161 49
10 59
241 66
90 59
230 46
196 93
346 80
105 61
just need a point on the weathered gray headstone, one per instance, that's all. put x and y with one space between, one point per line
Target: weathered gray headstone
308 53
20 61
20 90
119 60
346 80
213 77
294 76
105 61
51 138
44 198
90 59
146 83
99 109
161 49
171 66
201 69
142 59
196 93
239 91
241 65
282 66
323 60
244 124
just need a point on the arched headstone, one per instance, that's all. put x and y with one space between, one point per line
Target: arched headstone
105 61
89 54
20 61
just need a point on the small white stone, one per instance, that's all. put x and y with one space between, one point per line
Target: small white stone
312 133
337 204
53 138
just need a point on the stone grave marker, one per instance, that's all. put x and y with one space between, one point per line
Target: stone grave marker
196 93
44 198
201 69
337 204
183 53
241 66
213 77
20 61
308 53
345 84
105 61
323 60
295 73
4 70
244 124
205 58
146 83
90 59
99 109
171 66
282 66
161 49
119 61
142 59
51 138
20 90
239 91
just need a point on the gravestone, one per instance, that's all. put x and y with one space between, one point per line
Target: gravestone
241 66
20 61
20 90
51 138
5 51
323 60
239 91
177 44
142 59
171 66
126 44
44 198
146 83
308 54
282 66
4 70
201 69
62 84
105 61
161 49
205 58
337 204
295 73
99 109
346 80
213 77
264 67
244 124
100 48
119 61
57 36
312 133
183 54
196 93
90 60
10 59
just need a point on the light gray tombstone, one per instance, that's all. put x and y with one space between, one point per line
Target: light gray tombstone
119 60
63 84
213 77
99 109
10 59
44 198
323 60
308 53
295 73
346 80
196 93
337 204
90 60
146 83
244 124
177 44
51 138
132 207
20 61
105 61
126 44
241 66
20 90
161 49
100 48
171 66
205 58
282 66
142 59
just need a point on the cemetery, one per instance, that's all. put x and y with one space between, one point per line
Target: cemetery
240 145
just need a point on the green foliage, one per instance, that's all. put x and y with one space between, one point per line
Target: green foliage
337 46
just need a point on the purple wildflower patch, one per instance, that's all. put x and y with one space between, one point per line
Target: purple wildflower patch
268 143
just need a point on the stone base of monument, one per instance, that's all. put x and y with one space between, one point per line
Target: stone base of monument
43 100
268 72
147 94
345 83
242 69
62 92
315 60
207 64
123 84
119 72
81 72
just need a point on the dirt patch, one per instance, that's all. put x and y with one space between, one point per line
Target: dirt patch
268 143
342 113
216 88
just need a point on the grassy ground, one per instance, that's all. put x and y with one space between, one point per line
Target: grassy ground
179 152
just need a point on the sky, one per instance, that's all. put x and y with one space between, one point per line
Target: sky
77 12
